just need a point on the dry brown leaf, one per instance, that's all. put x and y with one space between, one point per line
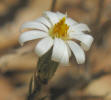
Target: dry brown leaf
7 91
21 59
100 87
10 32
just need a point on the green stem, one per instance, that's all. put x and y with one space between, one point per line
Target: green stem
44 72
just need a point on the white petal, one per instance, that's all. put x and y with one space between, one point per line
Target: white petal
65 57
52 17
86 40
77 51
70 21
58 50
43 46
60 15
79 27
34 25
69 51
44 21
31 35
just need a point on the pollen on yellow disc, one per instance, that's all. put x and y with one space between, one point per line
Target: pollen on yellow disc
60 30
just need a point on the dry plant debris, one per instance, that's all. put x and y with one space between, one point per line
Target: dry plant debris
71 83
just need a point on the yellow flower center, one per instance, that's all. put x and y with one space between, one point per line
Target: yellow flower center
60 30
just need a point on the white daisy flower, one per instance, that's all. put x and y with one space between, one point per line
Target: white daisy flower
60 32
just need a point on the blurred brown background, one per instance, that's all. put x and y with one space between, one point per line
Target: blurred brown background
90 81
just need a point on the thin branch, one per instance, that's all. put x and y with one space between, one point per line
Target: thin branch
99 14
103 31
53 5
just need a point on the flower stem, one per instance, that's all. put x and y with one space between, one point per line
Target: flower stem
44 72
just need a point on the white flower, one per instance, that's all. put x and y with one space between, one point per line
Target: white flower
61 33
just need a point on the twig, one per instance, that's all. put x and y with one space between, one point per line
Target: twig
30 88
103 31
96 23
96 31
99 14
53 5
